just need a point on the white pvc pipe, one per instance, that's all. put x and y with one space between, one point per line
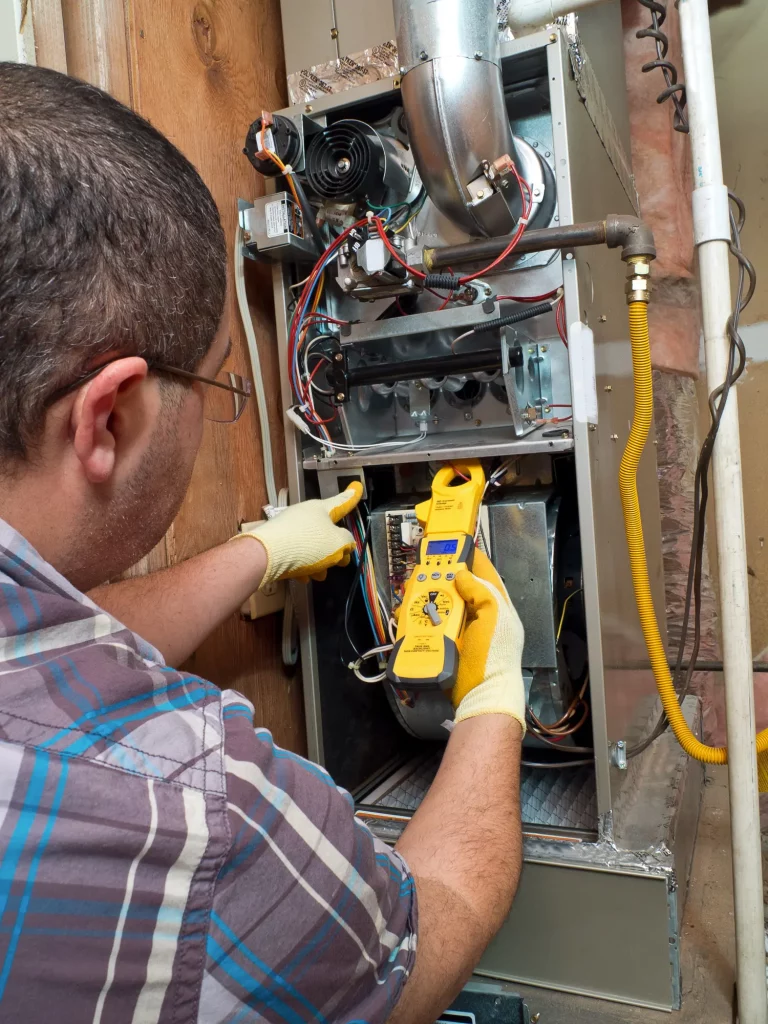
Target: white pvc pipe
712 230
527 15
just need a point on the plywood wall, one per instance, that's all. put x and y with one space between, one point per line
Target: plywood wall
201 72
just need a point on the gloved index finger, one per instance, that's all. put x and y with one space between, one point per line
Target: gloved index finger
342 504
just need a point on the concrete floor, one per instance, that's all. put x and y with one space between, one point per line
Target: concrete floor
707 946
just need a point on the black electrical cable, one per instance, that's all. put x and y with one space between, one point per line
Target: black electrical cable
675 89
556 764
350 598
737 359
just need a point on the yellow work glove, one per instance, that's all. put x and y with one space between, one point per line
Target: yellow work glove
490 679
303 541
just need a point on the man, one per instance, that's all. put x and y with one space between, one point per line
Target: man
160 859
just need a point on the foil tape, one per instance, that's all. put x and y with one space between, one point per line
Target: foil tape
363 68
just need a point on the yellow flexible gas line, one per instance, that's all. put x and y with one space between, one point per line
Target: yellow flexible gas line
641 425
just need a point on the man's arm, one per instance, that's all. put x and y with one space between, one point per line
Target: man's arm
464 844
464 848
177 608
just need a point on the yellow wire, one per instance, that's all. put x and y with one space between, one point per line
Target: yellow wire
288 177
641 425
565 605
404 226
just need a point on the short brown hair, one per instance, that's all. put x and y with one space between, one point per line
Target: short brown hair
109 242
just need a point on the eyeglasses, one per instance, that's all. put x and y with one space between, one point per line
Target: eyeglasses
226 395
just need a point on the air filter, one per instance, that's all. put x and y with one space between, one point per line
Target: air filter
347 162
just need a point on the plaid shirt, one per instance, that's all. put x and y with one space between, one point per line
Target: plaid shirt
161 859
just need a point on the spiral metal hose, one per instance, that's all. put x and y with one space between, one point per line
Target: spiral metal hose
675 89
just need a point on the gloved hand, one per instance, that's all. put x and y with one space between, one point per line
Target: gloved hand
303 542
490 679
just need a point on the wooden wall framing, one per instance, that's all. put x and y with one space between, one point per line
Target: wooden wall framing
201 71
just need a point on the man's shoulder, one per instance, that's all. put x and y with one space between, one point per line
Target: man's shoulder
97 698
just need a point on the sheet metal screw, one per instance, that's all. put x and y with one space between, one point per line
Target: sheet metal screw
553 37
467 416
308 108
339 357
334 33
603 318
478 54
569 255
593 427
340 396
614 437
423 55
608 388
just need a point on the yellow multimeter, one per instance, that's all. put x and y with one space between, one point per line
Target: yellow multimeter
426 652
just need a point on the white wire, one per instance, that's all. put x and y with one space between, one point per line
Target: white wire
335 446
374 651
461 337
258 378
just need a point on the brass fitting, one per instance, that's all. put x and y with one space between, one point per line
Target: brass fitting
638 279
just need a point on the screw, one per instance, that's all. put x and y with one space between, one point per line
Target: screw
334 33
602 318
553 37
348 282
531 351
478 54
339 357
545 348
548 409
614 437
467 416
481 194
569 255
403 69
340 396
536 1018
435 420
478 423
547 153
535 145
423 55
246 236
593 427
308 108
608 387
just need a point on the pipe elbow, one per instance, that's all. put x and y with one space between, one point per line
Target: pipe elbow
633 236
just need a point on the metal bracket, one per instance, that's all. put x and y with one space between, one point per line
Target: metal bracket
619 755
528 386
419 402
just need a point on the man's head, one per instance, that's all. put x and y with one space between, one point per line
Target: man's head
111 254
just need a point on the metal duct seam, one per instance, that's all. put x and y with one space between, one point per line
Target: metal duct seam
454 102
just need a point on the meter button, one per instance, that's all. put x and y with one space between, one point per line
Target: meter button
436 575
421 577
450 576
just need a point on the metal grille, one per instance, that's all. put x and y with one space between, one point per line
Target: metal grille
549 798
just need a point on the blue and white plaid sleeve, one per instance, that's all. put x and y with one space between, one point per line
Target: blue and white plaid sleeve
313 918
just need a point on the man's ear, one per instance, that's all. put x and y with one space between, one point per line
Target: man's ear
92 417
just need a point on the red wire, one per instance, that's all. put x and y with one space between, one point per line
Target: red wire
393 251
526 298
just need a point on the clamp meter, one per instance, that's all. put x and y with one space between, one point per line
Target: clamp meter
426 652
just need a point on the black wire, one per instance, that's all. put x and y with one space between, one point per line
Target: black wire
556 764
350 598
737 360
675 89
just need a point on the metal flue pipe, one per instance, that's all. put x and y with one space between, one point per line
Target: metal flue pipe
712 232
453 97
